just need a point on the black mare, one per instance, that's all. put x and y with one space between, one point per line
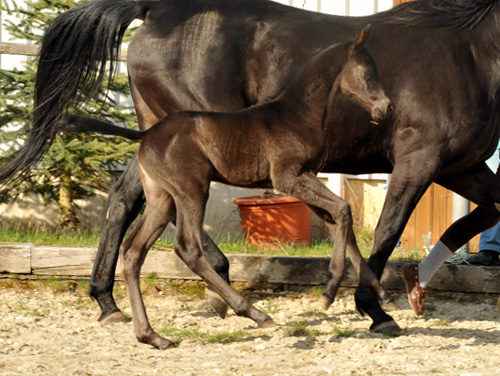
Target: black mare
438 60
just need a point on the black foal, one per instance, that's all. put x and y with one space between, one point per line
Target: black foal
279 144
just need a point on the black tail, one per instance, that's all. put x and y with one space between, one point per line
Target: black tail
82 124
75 51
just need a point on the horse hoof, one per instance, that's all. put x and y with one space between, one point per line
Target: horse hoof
157 341
325 302
164 344
113 318
388 327
216 302
269 323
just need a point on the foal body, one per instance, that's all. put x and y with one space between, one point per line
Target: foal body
280 144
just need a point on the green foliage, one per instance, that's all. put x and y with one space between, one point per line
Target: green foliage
75 167
195 334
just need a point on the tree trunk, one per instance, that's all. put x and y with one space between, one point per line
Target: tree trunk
67 217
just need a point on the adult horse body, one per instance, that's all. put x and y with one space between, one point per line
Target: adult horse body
439 65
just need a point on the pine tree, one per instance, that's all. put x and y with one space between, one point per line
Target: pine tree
75 166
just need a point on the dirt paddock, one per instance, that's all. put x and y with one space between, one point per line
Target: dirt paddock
50 328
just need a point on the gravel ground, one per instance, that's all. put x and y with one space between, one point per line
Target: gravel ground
50 328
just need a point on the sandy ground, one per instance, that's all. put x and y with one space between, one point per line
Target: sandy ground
47 329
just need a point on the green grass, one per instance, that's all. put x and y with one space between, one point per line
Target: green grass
59 237
179 335
81 238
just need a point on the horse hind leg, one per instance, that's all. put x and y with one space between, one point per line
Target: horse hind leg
133 252
124 203
189 247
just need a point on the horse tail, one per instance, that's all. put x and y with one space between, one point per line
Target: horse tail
75 51
81 124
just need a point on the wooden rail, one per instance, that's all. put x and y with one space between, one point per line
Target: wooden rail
32 50
24 258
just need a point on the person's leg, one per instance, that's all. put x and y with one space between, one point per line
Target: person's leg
489 247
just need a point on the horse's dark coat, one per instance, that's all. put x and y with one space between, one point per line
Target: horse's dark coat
439 61
278 144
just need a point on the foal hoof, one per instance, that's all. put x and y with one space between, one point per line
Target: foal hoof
216 302
388 327
114 318
325 301
269 323
158 342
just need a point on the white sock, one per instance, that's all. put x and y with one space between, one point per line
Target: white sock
430 265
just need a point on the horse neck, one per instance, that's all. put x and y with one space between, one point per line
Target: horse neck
306 95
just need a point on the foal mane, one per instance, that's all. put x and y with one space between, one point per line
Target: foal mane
455 14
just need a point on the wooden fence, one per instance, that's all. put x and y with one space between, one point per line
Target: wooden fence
68 262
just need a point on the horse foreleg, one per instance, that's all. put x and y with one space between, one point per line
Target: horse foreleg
482 187
312 192
124 203
220 264
404 192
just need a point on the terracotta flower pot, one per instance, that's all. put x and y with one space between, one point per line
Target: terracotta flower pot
270 221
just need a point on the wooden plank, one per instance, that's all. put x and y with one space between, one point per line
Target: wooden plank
15 258
18 49
62 261
32 50
67 261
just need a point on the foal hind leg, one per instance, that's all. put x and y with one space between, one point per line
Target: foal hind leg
312 192
188 246
125 201
157 215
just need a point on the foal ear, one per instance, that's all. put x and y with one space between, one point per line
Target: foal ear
363 36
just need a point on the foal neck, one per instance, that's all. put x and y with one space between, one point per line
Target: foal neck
305 97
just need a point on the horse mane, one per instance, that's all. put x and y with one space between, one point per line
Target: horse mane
455 14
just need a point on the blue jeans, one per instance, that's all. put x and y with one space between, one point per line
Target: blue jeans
490 239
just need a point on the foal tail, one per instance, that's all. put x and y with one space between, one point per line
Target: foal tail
82 124
75 51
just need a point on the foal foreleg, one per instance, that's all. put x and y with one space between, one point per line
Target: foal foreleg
312 192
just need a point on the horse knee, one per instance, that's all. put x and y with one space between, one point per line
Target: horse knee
344 215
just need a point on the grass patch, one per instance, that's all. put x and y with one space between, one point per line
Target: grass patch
56 237
343 333
300 329
83 238
439 322
178 335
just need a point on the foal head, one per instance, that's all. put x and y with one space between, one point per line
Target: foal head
359 80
